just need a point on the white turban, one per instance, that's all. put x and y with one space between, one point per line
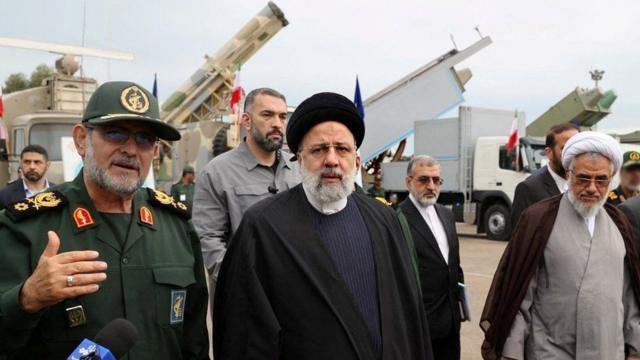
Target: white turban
591 141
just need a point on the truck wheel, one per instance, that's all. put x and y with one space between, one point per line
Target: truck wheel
496 222
220 141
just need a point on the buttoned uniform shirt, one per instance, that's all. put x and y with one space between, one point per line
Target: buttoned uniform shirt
155 276
228 185
561 182
433 221
29 193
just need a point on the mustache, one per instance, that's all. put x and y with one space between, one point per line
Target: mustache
275 132
331 172
123 160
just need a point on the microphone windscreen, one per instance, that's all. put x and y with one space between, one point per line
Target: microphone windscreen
118 336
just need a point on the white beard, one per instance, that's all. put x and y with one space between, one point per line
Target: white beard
326 193
583 209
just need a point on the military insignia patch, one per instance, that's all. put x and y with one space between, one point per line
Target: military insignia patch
178 299
634 156
82 217
36 205
75 316
134 100
166 201
146 216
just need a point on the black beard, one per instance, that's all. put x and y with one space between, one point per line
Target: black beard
265 143
558 169
32 176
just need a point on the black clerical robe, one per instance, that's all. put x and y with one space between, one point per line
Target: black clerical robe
279 295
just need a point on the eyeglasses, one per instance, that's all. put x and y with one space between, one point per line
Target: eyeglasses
584 180
424 180
321 150
118 135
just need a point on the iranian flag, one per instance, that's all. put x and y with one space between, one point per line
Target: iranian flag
513 141
236 94
1 103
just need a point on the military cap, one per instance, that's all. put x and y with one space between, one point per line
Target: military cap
122 100
322 107
188 169
630 158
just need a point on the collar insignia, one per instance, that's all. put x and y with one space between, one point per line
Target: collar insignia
82 217
146 216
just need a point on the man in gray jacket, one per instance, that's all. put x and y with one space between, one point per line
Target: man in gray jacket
234 181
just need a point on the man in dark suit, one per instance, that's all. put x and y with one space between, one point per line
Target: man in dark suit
548 181
34 163
433 232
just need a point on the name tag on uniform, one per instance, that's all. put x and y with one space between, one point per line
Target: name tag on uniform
183 197
178 299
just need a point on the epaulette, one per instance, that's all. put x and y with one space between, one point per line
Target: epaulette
383 200
613 195
167 201
36 205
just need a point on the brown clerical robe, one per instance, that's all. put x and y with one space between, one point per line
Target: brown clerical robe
519 263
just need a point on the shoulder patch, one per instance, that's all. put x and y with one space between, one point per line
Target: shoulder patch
161 199
36 205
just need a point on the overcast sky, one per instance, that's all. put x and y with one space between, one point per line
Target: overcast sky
542 49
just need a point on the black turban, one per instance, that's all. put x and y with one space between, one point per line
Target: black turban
323 107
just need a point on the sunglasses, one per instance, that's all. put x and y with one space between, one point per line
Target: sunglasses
120 136
424 180
584 180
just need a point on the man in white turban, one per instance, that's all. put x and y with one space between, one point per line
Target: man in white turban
568 284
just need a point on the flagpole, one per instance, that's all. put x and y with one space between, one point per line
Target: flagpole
357 101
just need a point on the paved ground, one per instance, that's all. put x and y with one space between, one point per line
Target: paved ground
479 258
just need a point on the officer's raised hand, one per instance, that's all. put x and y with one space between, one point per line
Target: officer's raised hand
61 276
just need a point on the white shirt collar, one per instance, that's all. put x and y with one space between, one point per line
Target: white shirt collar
29 193
328 208
561 182
591 224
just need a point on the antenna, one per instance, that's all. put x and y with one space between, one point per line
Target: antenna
453 41
65 49
477 29
596 75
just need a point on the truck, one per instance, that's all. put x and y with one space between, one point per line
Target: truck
42 115
45 114
480 175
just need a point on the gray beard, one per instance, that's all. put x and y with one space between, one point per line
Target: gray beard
121 185
583 209
425 200
326 193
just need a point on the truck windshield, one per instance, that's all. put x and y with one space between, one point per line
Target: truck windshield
48 135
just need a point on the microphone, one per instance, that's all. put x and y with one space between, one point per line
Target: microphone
273 189
111 343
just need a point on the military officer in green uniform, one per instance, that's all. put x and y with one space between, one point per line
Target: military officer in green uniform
183 190
376 190
102 247
629 179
